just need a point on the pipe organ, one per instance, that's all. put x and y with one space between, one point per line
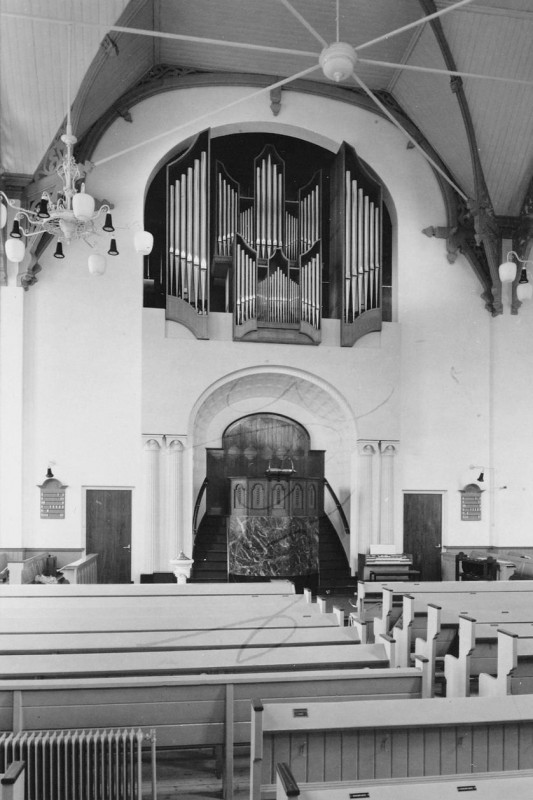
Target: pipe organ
187 278
277 283
356 256
265 245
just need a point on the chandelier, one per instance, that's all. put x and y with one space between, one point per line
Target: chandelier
72 216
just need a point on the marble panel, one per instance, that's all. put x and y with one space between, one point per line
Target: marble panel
273 546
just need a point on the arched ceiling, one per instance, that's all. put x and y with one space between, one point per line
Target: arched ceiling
277 39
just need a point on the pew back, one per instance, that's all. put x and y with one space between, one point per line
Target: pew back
515 665
180 662
160 613
146 589
190 710
380 739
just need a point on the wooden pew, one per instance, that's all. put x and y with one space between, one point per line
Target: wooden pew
25 570
500 607
393 593
160 613
388 739
517 785
515 666
124 641
477 653
189 710
147 589
82 571
4 569
12 782
198 661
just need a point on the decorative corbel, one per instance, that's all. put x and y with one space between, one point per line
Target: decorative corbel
461 239
275 100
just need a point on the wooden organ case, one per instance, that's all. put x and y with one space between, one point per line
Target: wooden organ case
271 253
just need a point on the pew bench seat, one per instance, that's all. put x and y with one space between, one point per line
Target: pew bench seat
517 785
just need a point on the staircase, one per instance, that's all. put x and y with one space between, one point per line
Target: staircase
210 551
334 569
210 555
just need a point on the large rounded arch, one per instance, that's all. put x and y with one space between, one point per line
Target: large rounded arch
302 396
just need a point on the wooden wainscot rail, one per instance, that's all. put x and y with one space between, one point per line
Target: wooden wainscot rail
517 785
389 739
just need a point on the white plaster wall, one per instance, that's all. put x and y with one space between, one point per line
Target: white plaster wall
82 385
423 381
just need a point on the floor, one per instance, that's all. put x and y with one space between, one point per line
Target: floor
191 775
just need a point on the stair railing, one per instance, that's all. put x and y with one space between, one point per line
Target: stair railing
338 506
197 505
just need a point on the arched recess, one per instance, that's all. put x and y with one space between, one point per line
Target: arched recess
302 396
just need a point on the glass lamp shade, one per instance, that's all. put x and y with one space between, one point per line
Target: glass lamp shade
97 264
143 241
337 61
524 291
507 271
83 206
15 250
3 215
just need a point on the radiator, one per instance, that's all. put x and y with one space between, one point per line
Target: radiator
79 764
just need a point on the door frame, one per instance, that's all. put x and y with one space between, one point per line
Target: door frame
444 512
99 487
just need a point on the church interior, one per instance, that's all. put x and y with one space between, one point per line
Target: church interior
266 292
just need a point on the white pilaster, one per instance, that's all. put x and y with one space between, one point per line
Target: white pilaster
386 504
173 494
152 500
11 408
367 453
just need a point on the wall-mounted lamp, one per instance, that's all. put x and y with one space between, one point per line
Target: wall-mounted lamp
469 477
507 272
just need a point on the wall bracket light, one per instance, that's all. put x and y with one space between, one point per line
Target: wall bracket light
507 271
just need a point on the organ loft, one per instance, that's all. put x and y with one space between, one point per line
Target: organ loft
277 246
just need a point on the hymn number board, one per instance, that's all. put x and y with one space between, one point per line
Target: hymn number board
52 499
471 503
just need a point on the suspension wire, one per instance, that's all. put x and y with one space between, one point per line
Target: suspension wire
209 114
413 141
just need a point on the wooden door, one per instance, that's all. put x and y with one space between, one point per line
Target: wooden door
422 532
108 521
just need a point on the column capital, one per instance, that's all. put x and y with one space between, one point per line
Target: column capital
175 442
153 441
389 447
367 447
